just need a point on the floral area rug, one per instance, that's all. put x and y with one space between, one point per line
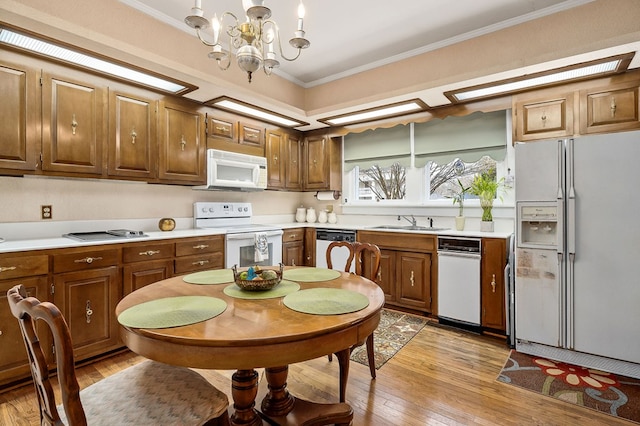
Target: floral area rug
606 392
395 330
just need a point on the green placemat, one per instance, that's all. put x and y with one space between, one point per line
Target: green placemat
285 287
326 301
216 276
172 312
311 274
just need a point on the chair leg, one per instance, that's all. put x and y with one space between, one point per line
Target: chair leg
371 356
343 361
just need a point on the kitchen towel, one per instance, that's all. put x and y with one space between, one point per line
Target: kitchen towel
261 247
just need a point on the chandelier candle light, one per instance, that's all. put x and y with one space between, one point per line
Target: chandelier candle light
252 40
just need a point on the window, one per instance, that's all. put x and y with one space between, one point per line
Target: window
420 162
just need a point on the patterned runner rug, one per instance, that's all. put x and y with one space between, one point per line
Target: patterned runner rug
606 392
395 330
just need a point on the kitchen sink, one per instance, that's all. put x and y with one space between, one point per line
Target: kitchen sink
409 228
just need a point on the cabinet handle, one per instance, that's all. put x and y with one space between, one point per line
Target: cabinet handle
7 268
544 118
0 332
275 158
182 143
293 262
88 311
292 236
74 124
149 252
251 136
200 262
411 279
87 260
613 107
222 129
201 246
379 276
134 135
493 283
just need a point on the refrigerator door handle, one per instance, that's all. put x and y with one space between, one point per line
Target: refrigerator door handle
571 201
569 315
560 197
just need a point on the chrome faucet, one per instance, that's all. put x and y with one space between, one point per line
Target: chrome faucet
412 221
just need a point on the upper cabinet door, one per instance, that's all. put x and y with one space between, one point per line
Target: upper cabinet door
182 145
293 175
74 116
19 109
274 151
132 137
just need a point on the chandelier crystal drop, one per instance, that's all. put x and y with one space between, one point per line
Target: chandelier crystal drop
253 41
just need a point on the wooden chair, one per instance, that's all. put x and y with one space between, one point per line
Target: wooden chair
358 252
149 393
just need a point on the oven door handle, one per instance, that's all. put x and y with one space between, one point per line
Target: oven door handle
252 235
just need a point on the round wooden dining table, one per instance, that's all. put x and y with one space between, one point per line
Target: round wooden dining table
259 333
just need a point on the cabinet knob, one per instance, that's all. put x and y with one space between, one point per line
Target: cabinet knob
87 259
411 279
613 107
493 283
134 135
74 124
183 143
88 311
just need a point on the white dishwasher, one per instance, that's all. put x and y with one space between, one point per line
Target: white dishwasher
339 255
459 281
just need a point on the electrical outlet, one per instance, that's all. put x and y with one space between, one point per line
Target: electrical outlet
46 212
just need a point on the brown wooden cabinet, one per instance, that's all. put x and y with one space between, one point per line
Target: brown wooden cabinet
199 253
293 247
610 109
406 273
75 114
494 258
133 143
182 144
544 118
227 133
284 154
87 288
30 271
20 124
322 163
146 263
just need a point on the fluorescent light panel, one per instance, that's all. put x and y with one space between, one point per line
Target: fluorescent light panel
61 53
537 81
245 109
368 115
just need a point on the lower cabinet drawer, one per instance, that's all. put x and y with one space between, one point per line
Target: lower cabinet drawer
200 262
84 259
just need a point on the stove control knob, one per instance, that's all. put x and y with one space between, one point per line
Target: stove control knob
246 209
211 209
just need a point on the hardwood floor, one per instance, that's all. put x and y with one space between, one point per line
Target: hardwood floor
441 377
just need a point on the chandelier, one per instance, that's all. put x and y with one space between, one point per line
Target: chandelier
253 41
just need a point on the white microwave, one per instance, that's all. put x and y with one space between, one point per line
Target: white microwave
233 171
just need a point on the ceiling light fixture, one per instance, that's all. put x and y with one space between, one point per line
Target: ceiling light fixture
253 39
577 72
92 62
234 105
386 111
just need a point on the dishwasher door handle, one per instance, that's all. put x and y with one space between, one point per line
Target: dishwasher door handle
459 254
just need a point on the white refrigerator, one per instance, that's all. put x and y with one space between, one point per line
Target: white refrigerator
577 261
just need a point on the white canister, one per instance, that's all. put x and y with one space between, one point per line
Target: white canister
332 218
301 214
322 216
311 215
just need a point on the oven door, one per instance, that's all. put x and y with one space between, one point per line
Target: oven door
241 249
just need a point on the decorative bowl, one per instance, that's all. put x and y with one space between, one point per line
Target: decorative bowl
259 283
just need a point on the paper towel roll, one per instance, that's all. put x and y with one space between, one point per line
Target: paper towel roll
327 195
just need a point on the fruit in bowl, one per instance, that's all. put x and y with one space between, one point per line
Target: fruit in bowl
256 278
